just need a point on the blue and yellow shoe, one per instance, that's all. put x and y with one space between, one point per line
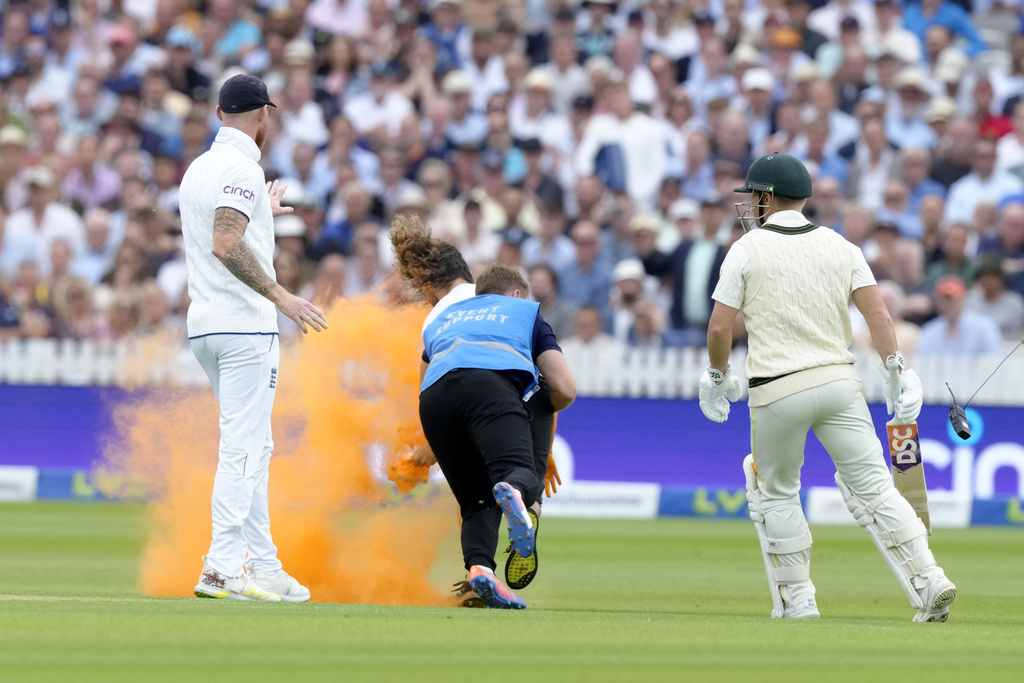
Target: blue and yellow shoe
492 591
520 525
519 570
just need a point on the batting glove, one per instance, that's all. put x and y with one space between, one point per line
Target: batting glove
716 390
903 400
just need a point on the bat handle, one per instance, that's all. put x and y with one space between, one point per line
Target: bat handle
894 380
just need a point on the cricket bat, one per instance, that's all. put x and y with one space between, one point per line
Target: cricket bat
907 466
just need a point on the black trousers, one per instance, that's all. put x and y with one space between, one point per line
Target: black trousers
479 429
542 431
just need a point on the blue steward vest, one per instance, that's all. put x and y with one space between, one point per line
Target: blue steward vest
489 332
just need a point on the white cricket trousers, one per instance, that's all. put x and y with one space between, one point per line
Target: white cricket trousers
243 371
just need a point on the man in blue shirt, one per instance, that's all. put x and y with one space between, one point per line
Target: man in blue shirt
918 16
483 347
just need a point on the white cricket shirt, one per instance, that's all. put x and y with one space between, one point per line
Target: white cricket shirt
228 175
794 290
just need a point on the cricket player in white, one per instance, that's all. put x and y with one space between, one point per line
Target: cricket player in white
227 213
793 281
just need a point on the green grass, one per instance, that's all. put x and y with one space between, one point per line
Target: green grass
672 600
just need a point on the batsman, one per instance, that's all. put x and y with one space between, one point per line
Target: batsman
793 281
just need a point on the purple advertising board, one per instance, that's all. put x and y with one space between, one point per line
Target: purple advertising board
667 442
670 442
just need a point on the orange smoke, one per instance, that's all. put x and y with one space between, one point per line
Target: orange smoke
342 393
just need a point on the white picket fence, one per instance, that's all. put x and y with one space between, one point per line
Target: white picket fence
650 373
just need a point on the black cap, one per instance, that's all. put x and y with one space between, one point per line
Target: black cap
991 263
702 17
243 93
531 145
849 24
565 13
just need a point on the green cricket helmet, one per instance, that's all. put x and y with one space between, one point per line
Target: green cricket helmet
780 174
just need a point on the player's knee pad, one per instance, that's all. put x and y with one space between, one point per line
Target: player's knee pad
785 541
897 533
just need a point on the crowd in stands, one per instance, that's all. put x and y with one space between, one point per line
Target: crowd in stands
593 143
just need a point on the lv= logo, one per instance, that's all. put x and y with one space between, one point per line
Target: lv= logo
273 377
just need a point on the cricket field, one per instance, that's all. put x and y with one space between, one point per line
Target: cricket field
663 600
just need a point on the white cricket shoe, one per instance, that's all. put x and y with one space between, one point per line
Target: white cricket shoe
213 584
806 609
280 583
937 596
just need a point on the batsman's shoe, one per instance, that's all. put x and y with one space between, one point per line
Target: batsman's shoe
279 582
520 526
519 570
213 584
806 609
465 596
492 591
937 596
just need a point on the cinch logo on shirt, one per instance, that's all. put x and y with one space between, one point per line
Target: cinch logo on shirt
232 190
476 314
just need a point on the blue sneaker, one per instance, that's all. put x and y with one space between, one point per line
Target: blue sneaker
492 591
520 526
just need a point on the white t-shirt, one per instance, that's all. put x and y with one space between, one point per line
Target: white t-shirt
227 176
459 293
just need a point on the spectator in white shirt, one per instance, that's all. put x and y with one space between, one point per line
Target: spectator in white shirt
379 113
640 139
710 78
842 128
97 256
663 33
568 79
588 335
984 182
756 88
32 230
337 16
465 126
627 56
485 70
534 118
871 165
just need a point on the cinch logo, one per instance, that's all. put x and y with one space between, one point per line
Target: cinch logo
232 190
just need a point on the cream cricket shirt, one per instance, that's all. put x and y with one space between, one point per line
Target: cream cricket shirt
228 175
793 282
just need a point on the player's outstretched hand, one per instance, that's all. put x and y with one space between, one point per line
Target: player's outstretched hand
423 456
276 191
302 312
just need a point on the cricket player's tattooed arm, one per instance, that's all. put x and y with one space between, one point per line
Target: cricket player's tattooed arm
228 229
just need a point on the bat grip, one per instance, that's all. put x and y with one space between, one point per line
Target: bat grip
893 366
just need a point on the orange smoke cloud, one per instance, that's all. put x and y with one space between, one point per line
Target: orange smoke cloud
343 393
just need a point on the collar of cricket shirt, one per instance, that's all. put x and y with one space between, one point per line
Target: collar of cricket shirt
788 223
240 141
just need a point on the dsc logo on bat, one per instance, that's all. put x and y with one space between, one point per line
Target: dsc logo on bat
904 446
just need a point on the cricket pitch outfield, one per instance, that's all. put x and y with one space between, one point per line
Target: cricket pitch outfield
663 600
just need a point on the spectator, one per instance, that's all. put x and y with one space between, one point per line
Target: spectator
953 158
76 316
990 298
628 288
330 278
931 214
640 143
826 19
89 183
533 117
908 335
983 182
88 109
587 280
380 112
597 40
694 267
957 332
550 247
97 256
911 166
364 273
896 199
617 235
544 290
336 237
1008 244
826 205
648 330
484 69
30 232
123 315
155 314
567 78
589 336
465 125
871 164
290 238
394 183
919 16
448 32
476 244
